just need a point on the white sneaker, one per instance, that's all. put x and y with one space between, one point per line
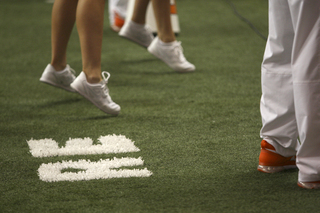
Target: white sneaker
98 93
61 79
140 34
172 54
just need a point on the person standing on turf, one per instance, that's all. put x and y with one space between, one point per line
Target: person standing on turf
91 83
290 102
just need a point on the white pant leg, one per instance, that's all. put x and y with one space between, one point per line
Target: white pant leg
111 6
306 85
277 104
118 6
121 8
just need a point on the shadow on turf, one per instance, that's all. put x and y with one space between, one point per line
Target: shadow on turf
100 117
285 180
52 104
146 60
59 103
165 71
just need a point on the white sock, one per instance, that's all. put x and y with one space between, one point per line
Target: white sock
166 43
136 25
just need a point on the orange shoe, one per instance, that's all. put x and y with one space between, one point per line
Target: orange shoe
309 185
118 22
271 162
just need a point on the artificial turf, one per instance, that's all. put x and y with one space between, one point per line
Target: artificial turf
198 133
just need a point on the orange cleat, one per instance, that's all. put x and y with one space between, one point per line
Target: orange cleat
118 22
271 162
309 185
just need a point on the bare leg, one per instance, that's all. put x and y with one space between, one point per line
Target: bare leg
90 16
163 18
162 14
63 19
140 11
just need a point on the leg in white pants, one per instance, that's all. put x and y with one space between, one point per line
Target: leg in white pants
306 85
290 103
118 6
277 104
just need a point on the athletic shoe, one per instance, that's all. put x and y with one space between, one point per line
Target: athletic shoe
138 33
117 23
309 185
271 162
61 79
171 54
98 93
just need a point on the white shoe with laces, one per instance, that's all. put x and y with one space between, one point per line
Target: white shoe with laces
172 54
98 93
61 79
138 33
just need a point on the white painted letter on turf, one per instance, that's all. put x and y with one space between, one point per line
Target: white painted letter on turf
103 169
78 146
87 170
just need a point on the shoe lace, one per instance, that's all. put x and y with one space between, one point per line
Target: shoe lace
71 70
105 80
178 50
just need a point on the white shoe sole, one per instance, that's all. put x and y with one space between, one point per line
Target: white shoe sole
69 89
111 112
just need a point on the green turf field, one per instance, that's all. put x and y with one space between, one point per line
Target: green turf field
197 133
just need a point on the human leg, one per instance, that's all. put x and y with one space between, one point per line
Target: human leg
140 11
91 84
277 104
162 14
306 86
90 28
63 19
136 29
58 73
164 46
279 130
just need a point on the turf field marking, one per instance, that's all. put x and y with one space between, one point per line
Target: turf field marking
78 146
85 169
103 169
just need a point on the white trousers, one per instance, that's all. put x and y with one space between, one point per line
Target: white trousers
118 6
290 78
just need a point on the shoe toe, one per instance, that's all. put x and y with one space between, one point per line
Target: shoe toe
186 67
112 108
309 185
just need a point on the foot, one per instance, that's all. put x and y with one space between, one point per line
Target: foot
98 93
172 54
117 23
309 185
61 79
138 33
270 161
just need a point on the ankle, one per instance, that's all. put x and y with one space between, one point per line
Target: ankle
138 25
138 20
93 79
165 40
166 43
59 67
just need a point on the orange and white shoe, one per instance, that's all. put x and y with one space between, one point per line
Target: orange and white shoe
117 23
270 161
309 185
